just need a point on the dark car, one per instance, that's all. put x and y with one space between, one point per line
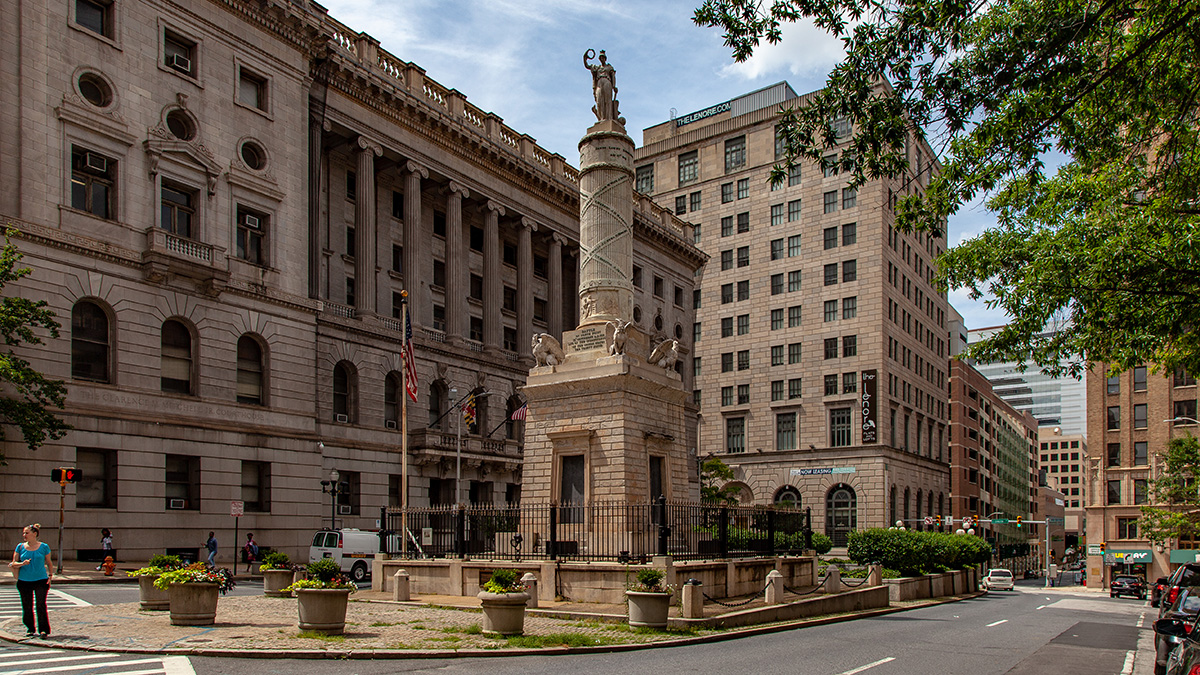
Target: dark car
1156 591
1127 585
1185 609
1187 574
1184 659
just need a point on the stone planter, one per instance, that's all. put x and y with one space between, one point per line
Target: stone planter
274 581
150 598
194 604
648 609
503 613
323 610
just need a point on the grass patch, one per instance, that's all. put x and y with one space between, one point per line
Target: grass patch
473 629
378 624
313 635
448 638
474 610
670 630
555 640
402 645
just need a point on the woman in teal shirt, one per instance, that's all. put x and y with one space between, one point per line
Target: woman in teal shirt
34 568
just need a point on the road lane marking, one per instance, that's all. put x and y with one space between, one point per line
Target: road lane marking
1127 669
14 655
997 623
57 658
860 669
177 665
83 666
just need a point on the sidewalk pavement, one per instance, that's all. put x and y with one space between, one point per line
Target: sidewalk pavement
75 572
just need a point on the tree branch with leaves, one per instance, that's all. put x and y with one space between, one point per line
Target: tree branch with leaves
1175 511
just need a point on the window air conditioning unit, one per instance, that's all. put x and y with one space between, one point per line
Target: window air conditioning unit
180 62
251 221
344 509
95 162
390 424
344 419
177 504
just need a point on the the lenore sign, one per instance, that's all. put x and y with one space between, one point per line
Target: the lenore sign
869 424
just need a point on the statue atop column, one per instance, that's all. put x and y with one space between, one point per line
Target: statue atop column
604 88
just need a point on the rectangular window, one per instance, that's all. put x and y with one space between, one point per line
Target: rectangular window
1127 527
252 89
696 332
539 309
1139 378
96 17
658 286
849 198
1114 454
1141 453
794 352
726 293
694 201
743 188
179 53
743 324
831 385
727 226
776 355
735 434
681 205
849 234
726 396
351 241
439 274
794 246
509 299
397 258
256 486
831 274
776 319
829 165
793 281
93 183
350 296
475 329
776 249
571 490
743 222
794 388
777 214
776 284
439 317
726 193
743 290
793 210
850 383
97 489
689 167
794 176
541 266
780 143
1183 378
850 345
777 390
1114 417
439 224
178 210
831 237
735 153
678 292
831 348
743 256
251 231
182 482
696 234
510 339
1114 492
476 239
727 259
849 271
831 310
637 277
850 307
839 427
1140 494
1185 411
743 394
727 362
696 298
645 179
1139 416
831 201
793 316
727 327
1114 385
785 431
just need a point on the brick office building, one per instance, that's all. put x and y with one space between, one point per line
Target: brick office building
221 202
809 301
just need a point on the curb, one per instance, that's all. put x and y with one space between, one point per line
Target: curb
732 634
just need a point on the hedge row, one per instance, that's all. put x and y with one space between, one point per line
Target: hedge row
740 538
911 552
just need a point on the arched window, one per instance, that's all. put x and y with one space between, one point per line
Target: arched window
249 371
787 497
392 391
437 397
841 513
907 497
919 524
892 507
343 393
941 504
176 367
89 342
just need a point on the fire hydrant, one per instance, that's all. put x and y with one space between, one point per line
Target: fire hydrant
109 566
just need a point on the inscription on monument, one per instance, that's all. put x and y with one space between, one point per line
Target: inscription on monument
588 338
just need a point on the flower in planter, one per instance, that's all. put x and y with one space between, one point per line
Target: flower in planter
324 573
504 580
196 573
276 560
158 565
650 580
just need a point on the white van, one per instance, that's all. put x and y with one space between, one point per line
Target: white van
353 549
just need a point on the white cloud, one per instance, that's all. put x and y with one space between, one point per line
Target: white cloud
805 51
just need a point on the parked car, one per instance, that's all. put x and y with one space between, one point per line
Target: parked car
998 579
1184 659
1185 608
353 549
1127 585
1156 591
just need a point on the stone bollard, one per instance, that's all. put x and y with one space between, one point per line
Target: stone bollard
875 575
774 587
833 579
531 588
693 600
400 588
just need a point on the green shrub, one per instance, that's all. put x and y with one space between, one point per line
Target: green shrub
822 544
166 562
504 580
912 553
649 580
324 570
276 560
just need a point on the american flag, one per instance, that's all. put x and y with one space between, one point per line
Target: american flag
410 362
519 413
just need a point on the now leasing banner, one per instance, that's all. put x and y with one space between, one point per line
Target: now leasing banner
869 424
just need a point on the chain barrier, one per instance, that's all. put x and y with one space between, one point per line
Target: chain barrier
735 604
810 591
860 582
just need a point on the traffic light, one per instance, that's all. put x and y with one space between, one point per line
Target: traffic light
1101 548
65 474
937 520
1018 521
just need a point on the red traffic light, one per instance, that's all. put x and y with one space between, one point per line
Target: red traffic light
66 474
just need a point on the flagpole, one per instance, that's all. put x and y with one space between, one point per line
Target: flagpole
404 429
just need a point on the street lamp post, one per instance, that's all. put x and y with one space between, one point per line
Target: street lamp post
334 488
458 444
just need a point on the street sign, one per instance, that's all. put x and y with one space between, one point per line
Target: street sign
1110 559
1000 521
1054 521
928 520
237 508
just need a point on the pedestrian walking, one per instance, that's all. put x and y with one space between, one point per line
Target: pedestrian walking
250 550
106 545
211 545
33 566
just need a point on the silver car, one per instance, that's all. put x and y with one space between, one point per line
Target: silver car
998 580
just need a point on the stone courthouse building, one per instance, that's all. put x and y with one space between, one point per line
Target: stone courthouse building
222 201
821 343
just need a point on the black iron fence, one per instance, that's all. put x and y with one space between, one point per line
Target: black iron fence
617 531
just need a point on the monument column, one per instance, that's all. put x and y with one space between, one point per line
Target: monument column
605 224
364 225
415 246
493 286
456 265
525 283
554 303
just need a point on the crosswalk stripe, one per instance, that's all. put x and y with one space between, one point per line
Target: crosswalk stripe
57 658
82 666
176 665
77 602
16 654
10 601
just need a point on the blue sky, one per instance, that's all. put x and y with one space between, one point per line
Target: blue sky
523 61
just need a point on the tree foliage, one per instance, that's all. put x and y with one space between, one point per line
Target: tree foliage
1107 246
715 483
1175 494
27 396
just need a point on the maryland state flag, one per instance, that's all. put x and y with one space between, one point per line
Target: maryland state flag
468 410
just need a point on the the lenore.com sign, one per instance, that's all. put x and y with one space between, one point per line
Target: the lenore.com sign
869 425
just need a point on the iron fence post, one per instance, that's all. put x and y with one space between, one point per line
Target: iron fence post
723 531
460 531
383 528
771 532
552 544
808 528
664 532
